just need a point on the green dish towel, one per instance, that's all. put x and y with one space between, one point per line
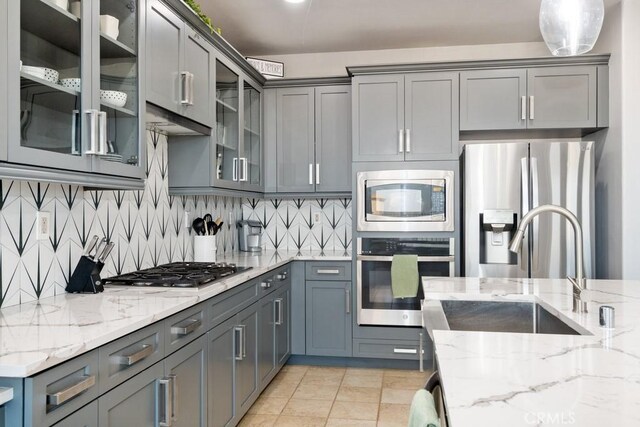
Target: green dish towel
404 276
423 410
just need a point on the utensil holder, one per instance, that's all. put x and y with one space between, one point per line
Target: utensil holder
204 248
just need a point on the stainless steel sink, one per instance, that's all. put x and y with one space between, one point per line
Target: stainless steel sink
494 316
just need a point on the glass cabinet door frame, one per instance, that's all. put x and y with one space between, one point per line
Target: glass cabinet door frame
242 147
100 165
16 153
89 96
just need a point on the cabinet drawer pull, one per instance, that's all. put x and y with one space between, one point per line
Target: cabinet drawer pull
326 271
278 306
130 359
281 277
187 327
70 392
405 351
166 403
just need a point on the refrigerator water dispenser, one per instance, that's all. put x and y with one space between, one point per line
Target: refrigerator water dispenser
497 227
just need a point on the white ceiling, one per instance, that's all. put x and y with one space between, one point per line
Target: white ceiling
270 27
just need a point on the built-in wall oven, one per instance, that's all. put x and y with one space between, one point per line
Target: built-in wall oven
376 304
405 200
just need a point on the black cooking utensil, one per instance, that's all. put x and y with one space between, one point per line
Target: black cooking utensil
198 226
207 218
212 228
218 227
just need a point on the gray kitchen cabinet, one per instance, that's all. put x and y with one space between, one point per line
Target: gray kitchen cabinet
400 117
267 340
180 65
313 139
140 401
378 118
233 367
295 140
282 325
563 97
493 99
333 138
85 417
328 318
187 368
83 115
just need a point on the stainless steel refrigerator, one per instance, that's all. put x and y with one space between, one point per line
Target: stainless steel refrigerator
502 182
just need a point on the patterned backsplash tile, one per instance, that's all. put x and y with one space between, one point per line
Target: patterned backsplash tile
302 224
147 227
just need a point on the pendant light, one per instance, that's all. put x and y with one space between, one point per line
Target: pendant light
571 27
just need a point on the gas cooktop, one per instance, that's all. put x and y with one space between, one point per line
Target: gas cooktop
177 275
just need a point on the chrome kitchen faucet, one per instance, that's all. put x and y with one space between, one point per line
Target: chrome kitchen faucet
579 283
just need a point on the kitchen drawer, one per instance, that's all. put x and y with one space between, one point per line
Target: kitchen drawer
60 391
387 349
325 270
232 301
184 327
125 357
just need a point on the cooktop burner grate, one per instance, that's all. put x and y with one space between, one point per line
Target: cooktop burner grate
177 274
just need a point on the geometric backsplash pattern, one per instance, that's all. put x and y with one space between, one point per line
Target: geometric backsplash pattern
146 225
302 224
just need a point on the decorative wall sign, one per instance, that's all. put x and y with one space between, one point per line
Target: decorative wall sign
267 68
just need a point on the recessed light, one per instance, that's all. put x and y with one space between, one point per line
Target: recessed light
295 1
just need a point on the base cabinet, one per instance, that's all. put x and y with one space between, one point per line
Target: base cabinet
328 318
187 369
136 402
85 417
282 308
233 368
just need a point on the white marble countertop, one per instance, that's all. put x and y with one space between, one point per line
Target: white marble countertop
510 379
38 335
6 395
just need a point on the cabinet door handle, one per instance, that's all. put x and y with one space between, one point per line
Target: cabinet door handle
174 398
234 172
407 136
239 342
523 107
347 297
327 271
244 171
278 306
532 107
317 173
70 392
400 144
191 90
184 89
187 327
93 130
102 130
130 359
166 402
310 173
405 351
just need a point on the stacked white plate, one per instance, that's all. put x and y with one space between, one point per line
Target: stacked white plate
113 97
42 73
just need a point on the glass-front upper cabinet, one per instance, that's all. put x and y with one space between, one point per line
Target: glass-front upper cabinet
77 100
227 132
118 86
252 140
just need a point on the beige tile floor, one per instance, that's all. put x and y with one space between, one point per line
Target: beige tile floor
325 396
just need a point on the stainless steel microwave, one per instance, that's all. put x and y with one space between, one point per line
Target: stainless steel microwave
405 200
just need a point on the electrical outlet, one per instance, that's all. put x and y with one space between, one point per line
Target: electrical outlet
43 223
187 219
316 218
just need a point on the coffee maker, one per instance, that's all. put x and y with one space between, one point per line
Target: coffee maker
250 236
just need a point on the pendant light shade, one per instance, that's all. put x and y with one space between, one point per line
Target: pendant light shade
571 27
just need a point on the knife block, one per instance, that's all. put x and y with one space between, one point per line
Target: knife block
86 277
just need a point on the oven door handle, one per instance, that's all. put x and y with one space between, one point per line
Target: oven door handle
447 258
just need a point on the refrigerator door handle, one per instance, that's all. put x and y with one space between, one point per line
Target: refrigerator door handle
535 202
524 203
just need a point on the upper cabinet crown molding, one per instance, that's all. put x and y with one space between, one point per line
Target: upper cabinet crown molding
602 59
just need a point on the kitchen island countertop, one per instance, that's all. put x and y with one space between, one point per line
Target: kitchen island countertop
38 335
514 379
